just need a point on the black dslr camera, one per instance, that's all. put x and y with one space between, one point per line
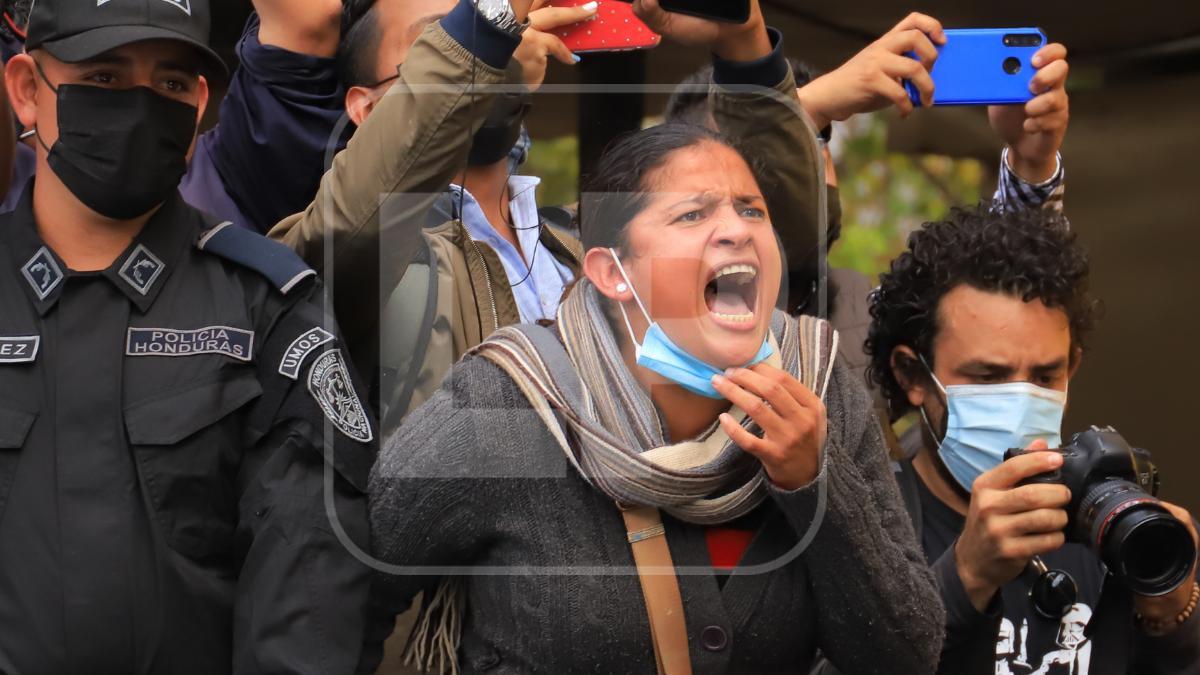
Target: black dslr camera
1114 511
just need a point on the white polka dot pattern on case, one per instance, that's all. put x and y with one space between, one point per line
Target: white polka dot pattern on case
608 12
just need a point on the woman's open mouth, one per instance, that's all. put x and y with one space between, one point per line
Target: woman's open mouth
732 295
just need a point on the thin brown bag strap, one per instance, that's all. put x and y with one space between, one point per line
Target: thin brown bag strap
660 586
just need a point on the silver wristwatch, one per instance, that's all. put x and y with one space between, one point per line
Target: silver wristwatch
500 14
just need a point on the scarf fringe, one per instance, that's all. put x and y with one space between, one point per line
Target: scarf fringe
438 630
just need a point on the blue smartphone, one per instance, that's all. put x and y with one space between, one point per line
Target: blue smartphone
983 66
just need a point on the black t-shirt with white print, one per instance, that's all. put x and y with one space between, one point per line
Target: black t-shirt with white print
1028 643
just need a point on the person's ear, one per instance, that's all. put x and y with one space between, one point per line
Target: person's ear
359 102
21 81
202 94
906 367
1076 361
600 267
201 105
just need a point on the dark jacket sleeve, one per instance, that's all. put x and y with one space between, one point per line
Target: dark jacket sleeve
302 594
283 116
363 228
970 647
755 105
427 482
866 571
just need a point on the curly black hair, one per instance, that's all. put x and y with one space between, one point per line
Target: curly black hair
1030 254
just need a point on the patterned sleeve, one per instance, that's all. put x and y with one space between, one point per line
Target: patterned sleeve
1015 193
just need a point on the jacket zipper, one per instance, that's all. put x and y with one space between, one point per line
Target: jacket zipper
564 245
487 275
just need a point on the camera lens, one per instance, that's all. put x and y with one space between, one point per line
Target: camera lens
1012 65
1022 40
1140 542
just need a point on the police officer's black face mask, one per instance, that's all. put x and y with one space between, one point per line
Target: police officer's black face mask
121 152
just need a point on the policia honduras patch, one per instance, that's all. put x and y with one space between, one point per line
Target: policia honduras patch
330 385
221 340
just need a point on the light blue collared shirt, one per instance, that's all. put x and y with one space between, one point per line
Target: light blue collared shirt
537 277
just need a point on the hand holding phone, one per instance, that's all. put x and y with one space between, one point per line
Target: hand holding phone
613 28
983 66
870 80
539 44
744 41
1034 132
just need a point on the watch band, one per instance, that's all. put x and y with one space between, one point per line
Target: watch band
500 14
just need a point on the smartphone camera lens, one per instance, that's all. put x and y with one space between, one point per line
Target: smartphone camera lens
1012 65
1022 40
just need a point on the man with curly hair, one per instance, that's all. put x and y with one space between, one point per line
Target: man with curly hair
981 323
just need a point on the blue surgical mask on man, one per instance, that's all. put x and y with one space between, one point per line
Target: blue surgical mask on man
660 354
983 421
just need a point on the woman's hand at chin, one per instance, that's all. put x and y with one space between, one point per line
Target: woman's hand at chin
792 419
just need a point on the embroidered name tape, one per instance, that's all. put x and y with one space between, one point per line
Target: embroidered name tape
299 350
223 340
19 349
330 386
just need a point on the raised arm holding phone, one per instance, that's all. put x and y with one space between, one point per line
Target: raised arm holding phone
873 80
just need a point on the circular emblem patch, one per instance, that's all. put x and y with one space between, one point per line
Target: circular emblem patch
330 386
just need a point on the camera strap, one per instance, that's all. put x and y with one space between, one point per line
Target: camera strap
660 586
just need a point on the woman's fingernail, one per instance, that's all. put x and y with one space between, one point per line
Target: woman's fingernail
717 380
577 57
591 6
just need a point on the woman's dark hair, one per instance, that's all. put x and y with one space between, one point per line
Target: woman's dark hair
359 45
615 191
1028 254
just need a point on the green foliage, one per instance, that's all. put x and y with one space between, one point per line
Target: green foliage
556 162
887 195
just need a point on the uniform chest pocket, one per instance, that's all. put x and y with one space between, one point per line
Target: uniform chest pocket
187 445
15 424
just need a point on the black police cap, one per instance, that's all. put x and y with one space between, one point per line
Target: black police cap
78 30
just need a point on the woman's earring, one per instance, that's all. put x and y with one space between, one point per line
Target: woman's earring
622 287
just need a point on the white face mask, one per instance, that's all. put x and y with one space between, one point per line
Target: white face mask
985 420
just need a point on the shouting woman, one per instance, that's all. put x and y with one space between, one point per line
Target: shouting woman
675 476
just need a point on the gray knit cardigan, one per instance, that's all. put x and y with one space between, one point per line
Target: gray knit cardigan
473 484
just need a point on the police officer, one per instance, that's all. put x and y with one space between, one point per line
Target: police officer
183 449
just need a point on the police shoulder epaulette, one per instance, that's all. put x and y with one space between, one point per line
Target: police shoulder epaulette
278 263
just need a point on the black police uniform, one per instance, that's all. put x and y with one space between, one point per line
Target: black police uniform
167 428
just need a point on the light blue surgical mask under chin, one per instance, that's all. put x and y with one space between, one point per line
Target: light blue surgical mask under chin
660 354
985 420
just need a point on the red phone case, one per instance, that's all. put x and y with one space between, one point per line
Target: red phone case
615 29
